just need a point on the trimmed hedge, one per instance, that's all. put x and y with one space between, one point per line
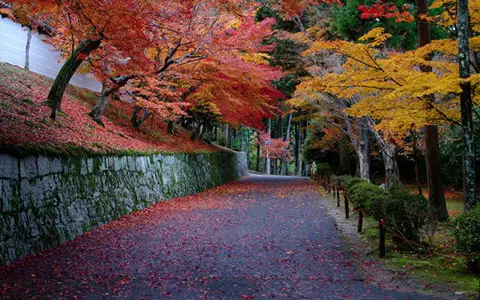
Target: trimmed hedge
405 213
323 169
369 197
346 181
467 234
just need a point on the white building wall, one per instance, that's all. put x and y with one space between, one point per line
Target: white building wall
44 59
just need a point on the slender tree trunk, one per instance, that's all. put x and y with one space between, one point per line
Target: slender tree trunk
248 147
298 143
417 175
416 156
344 166
436 193
229 137
27 48
463 27
171 127
303 135
268 164
227 128
66 73
258 154
284 165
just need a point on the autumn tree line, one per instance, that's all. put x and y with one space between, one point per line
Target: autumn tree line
389 85
300 82
195 64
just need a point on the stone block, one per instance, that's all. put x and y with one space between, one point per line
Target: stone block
89 163
141 164
28 167
84 167
47 165
8 167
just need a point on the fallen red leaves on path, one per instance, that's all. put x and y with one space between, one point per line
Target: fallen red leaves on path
257 238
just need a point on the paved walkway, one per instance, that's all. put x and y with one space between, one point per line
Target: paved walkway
258 238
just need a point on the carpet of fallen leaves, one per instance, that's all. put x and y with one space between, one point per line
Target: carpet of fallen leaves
257 238
25 121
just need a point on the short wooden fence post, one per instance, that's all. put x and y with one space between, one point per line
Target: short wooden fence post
338 197
381 228
360 221
347 210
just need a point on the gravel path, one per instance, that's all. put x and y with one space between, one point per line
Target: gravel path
258 238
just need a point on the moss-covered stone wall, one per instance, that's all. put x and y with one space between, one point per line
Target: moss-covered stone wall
46 201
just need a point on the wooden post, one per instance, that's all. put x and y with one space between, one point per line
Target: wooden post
347 211
338 197
360 221
381 227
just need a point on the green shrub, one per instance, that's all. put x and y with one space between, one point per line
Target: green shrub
334 180
405 213
323 169
368 197
345 181
353 181
467 234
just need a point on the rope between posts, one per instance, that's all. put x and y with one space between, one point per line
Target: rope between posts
430 250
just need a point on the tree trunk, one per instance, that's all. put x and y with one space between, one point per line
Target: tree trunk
416 157
344 165
67 71
248 147
27 48
436 193
390 164
298 143
463 27
138 120
241 133
299 137
99 109
258 154
436 196
229 137
417 174
171 127
101 105
283 165
363 148
388 155
268 164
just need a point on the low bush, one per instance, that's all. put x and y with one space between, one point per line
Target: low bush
467 235
405 213
345 181
334 181
368 197
323 169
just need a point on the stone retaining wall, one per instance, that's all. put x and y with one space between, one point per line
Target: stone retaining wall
46 201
